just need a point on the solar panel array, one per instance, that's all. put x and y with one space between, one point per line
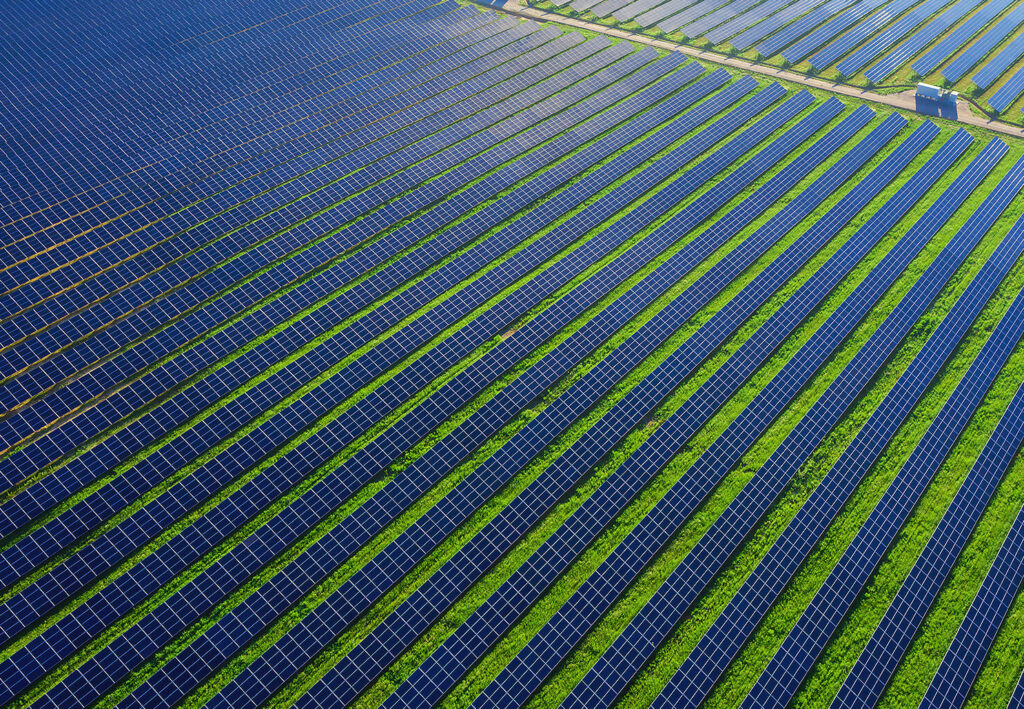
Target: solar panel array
865 41
407 353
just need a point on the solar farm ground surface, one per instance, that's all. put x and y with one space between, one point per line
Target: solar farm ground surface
973 46
408 354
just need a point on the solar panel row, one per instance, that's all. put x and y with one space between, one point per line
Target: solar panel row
816 13
595 183
701 26
1017 699
504 607
555 128
831 29
164 306
793 660
984 45
448 211
860 31
723 641
179 178
865 28
223 469
311 314
744 20
996 67
920 39
171 307
1008 92
310 634
389 639
199 167
951 683
877 661
951 43
77 135
332 491
525 673
269 125
312 292
613 671
880 42
103 321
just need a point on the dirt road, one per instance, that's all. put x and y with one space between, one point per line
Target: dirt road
903 100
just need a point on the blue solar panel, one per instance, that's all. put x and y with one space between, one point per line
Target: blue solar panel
889 641
963 660
487 624
308 293
231 465
802 26
129 298
477 253
521 677
831 29
921 39
956 39
793 660
389 567
997 66
635 645
291 292
62 484
451 208
745 20
893 34
720 645
73 237
691 14
655 15
845 44
269 123
106 149
328 197
516 520
1008 92
311 507
1017 698
985 44
700 27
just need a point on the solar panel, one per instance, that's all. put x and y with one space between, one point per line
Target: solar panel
524 674
311 313
956 39
843 45
462 174
340 605
635 645
791 33
388 639
1008 92
878 660
321 198
723 641
468 382
893 34
793 660
920 39
831 29
985 44
963 660
228 466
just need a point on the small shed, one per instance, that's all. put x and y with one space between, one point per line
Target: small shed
936 94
